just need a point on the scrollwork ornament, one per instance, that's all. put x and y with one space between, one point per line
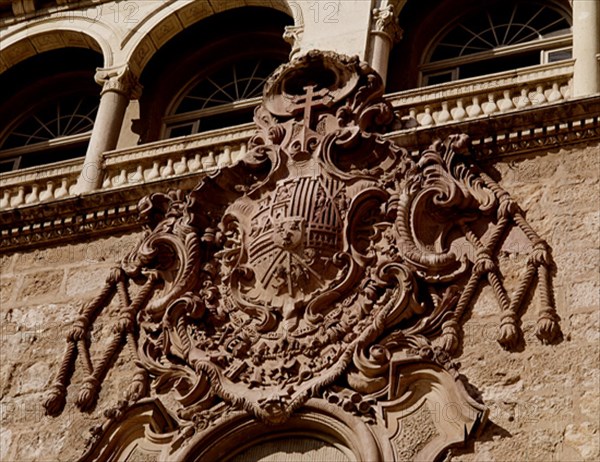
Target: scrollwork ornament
321 265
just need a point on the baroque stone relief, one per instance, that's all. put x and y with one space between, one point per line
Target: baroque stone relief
329 269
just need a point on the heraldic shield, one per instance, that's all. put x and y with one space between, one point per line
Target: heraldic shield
327 271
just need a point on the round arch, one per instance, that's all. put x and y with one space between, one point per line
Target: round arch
172 17
318 420
424 23
55 33
203 51
49 106
557 6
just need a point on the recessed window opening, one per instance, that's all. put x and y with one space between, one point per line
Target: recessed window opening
499 38
48 118
222 98
53 132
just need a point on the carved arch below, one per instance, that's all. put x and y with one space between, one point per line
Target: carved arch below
318 419
147 431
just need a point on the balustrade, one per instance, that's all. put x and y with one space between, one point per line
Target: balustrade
482 96
169 159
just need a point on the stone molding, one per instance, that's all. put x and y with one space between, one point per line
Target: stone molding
318 283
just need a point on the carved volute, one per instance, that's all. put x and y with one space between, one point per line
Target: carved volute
326 273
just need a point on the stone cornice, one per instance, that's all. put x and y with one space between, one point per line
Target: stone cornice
24 10
530 130
80 217
113 209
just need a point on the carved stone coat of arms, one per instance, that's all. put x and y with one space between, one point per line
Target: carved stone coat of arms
316 285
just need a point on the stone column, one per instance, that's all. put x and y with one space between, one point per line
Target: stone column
385 32
119 85
586 47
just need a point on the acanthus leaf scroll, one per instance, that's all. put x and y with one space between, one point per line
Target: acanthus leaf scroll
313 267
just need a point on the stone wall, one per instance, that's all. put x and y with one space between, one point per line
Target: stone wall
543 400
41 294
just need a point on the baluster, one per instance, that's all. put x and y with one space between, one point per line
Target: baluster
168 170
444 115
5 201
225 157
242 151
505 103
195 163
137 176
539 97
490 106
181 166
209 161
153 173
120 180
32 197
48 193
412 119
523 100
458 113
474 110
567 91
107 181
555 94
426 119
19 199
61 191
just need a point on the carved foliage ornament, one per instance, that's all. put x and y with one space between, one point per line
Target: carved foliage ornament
327 264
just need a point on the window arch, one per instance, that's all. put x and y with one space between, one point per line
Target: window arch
497 37
47 118
211 74
227 96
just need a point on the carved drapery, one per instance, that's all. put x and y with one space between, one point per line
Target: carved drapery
328 269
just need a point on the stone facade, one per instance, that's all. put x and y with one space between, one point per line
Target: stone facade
58 250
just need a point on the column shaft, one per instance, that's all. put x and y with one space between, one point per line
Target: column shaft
119 85
586 47
105 134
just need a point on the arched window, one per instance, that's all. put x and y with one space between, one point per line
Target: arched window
47 118
224 97
211 74
498 37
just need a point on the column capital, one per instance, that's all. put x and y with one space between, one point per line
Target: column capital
118 79
293 36
384 23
